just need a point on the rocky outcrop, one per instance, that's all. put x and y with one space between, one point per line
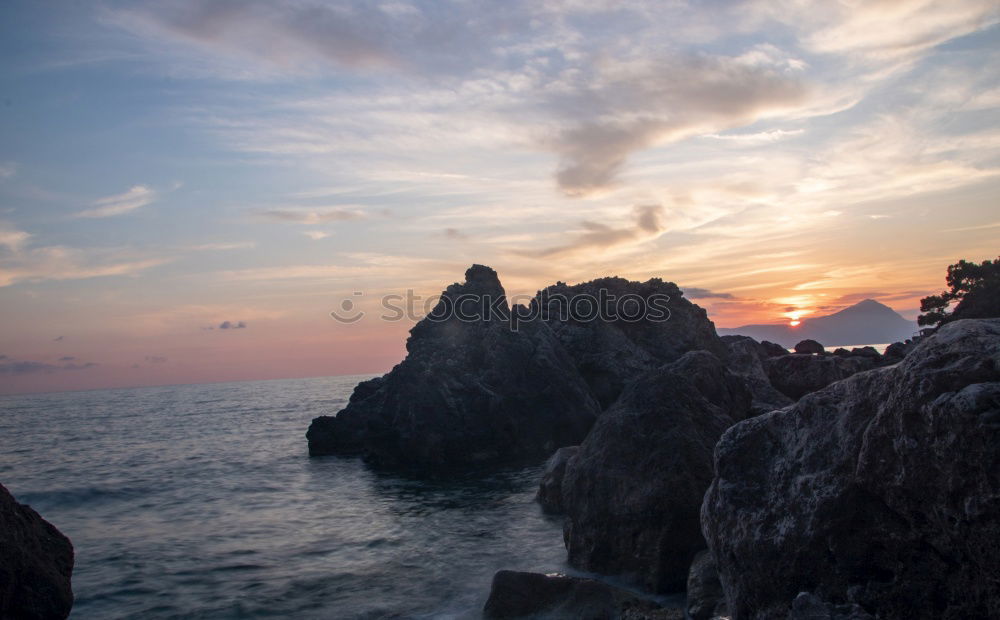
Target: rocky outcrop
705 598
771 349
796 375
36 563
633 492
882 490
550 488
809 347
471 390
639 327
532 595
746 359
808 606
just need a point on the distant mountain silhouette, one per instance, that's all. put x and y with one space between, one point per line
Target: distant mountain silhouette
866 322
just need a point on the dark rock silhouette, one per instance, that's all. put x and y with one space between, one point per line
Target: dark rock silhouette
550 488
632 493
746 359
471 390
705 598
809 347
796 375
36 563
610 353
865 322
516 594
881 490
769 349
808 606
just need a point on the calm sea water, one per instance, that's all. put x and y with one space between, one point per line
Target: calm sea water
200 501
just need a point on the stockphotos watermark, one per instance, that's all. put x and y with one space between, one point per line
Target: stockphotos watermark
471 307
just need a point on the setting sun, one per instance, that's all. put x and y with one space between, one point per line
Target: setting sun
794 323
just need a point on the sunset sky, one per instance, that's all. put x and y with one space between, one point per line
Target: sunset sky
187 189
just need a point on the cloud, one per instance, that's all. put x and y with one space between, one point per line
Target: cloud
155 359
67 358
11 238
137 196
641 104
647 224
703 293
7 169
25 367
232 325
316 235
62 263
312 217
58 338
455 234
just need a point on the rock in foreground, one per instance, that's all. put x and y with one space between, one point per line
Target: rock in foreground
471 390
550 488
633 492
36 563
882 490
532 595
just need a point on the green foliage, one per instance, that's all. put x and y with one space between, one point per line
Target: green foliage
976 288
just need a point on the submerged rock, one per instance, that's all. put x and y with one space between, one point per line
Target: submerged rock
471 390
882 490
532 595
550 488
611 350
36 563
633 492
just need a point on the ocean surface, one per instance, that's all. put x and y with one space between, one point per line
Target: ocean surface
200 501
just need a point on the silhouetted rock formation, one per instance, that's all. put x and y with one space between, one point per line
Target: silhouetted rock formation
746 359
796 375
705 598
807 606
531 595
809 347
469 391
882 490
550 488
632 493
767 348
610 353
36 563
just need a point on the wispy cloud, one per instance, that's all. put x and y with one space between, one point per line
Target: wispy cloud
311 216
646 224
136 197
10 366
7 169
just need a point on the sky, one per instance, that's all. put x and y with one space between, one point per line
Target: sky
187 189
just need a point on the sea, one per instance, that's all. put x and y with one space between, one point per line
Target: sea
200 501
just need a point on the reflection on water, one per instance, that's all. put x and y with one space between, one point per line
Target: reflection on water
200 501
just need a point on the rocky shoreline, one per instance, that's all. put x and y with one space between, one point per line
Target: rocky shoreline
765 483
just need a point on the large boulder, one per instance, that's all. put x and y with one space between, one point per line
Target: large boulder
632 493
515 594
882 490
36 563
615 329
746 359
472 389
796 375
705 598
550 488
809 347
